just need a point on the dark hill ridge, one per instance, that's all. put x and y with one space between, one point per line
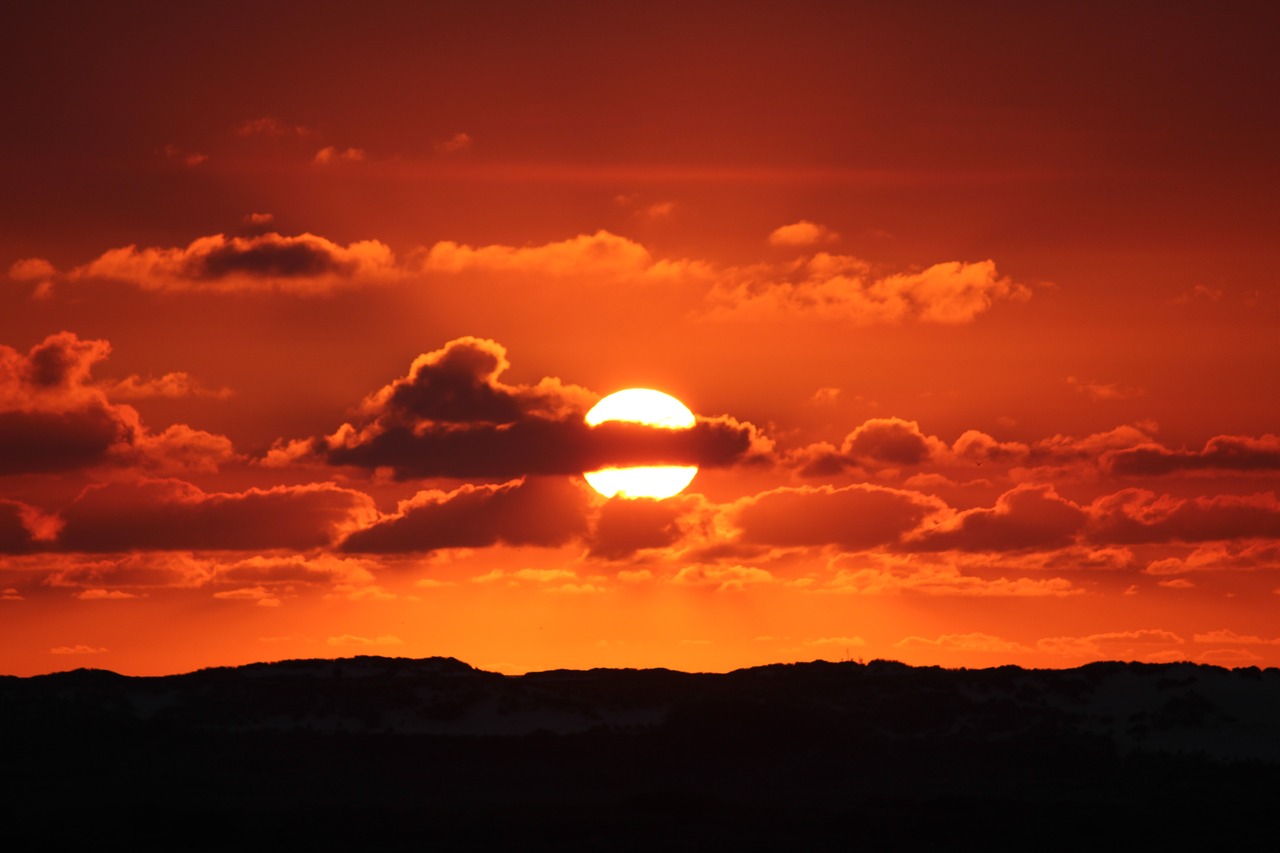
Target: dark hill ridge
372 753
1223 714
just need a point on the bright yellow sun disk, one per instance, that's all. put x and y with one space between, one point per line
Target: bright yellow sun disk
654 408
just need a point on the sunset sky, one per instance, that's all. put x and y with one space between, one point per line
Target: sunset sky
302 305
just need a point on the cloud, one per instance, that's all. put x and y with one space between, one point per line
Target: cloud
802 233
305 264
1133 516
96 576
1114 645
973 642
624 527
259 595
456 144
173 515
36 270
356 640
50 418
841 287
105 595
1228 637
77 649
532 511
330 154
853 517
722 578
1220 453
601 255
53 417
1219 556
889 574
452 416
15 534
876 443
170 386
270 126
1026 517
190 159
1100 391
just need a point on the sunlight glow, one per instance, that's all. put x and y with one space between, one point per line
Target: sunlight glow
644 406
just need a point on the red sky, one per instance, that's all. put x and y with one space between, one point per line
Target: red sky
977 305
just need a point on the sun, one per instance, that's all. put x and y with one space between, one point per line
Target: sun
642 406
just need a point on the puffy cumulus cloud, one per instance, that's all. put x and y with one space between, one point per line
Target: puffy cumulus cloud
1027 516
624 527
452 416
891 441
54 418
305 264
852 517
51 419
722 578
600 256
802 233
529 511
1133 516
840 287
890 574
180 448
173 515
977 447
1221 453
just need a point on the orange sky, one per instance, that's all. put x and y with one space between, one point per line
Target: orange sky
976 304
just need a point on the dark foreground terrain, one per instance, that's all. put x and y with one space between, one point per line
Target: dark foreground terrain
398 754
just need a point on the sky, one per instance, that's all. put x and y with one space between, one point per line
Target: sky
302 306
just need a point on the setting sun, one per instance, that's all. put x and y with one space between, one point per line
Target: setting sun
653 408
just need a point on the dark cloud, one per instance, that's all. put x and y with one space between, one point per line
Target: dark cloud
50 418
169 515
627 526
876 443
1137 515
452 416
304 263
59 441
1028 516
1222 453
529 511
15 538
54 419
853 517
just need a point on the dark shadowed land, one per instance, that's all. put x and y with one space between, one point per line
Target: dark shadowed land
381 753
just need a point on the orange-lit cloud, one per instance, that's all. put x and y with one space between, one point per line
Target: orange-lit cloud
802 233
841 287
533 511
172 515
452 416
271 262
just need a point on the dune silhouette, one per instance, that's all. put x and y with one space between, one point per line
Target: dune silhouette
389 753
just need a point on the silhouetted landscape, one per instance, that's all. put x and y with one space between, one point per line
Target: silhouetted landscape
394 753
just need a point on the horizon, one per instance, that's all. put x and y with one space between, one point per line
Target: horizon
974 309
